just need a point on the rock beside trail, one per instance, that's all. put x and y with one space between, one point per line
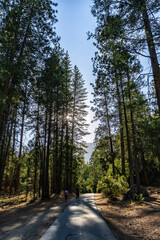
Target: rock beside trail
133 190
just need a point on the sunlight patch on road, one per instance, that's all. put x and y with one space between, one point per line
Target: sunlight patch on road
55 208
11 228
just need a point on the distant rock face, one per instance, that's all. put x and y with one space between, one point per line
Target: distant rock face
133 190
89 150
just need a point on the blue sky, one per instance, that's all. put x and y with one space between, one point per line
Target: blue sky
74 21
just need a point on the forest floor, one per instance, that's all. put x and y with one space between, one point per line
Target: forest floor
28 221
128 220
132 220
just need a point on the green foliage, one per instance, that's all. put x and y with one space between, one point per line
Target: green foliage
137 197
38 83
97 175
128 130
113 187
26 182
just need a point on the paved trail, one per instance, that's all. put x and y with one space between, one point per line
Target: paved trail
80 221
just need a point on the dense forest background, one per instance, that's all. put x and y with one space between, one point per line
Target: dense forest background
43 97
126 96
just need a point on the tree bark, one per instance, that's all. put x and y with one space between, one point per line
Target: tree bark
67 156
48 154
55 170
60 173
43 164
134 138
18 167
130 160
110 136
13 152
28 176
36 158
152 51
121 126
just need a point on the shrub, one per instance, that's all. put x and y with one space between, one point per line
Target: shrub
138 197
113 187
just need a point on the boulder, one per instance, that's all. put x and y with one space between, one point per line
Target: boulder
133 190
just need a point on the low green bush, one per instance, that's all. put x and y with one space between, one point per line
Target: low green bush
138 197
113 187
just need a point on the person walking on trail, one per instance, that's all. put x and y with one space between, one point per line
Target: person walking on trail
66 195
77 194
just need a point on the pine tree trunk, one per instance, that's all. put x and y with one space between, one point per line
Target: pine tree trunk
43 164
135 153
71 158
3 152
18 167
57 157
143 161
55 170
48 154
130 160
9 135
6 178
110 136
41 170
61 170
121 127
134 138
53 173
72 136
152 51
67 157
13 152
36 155
144 166
28 176
11 181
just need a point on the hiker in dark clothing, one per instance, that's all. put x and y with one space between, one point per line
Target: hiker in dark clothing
77 194
66 195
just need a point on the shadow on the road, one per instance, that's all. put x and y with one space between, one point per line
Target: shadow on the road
87 226
119 234
29 221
